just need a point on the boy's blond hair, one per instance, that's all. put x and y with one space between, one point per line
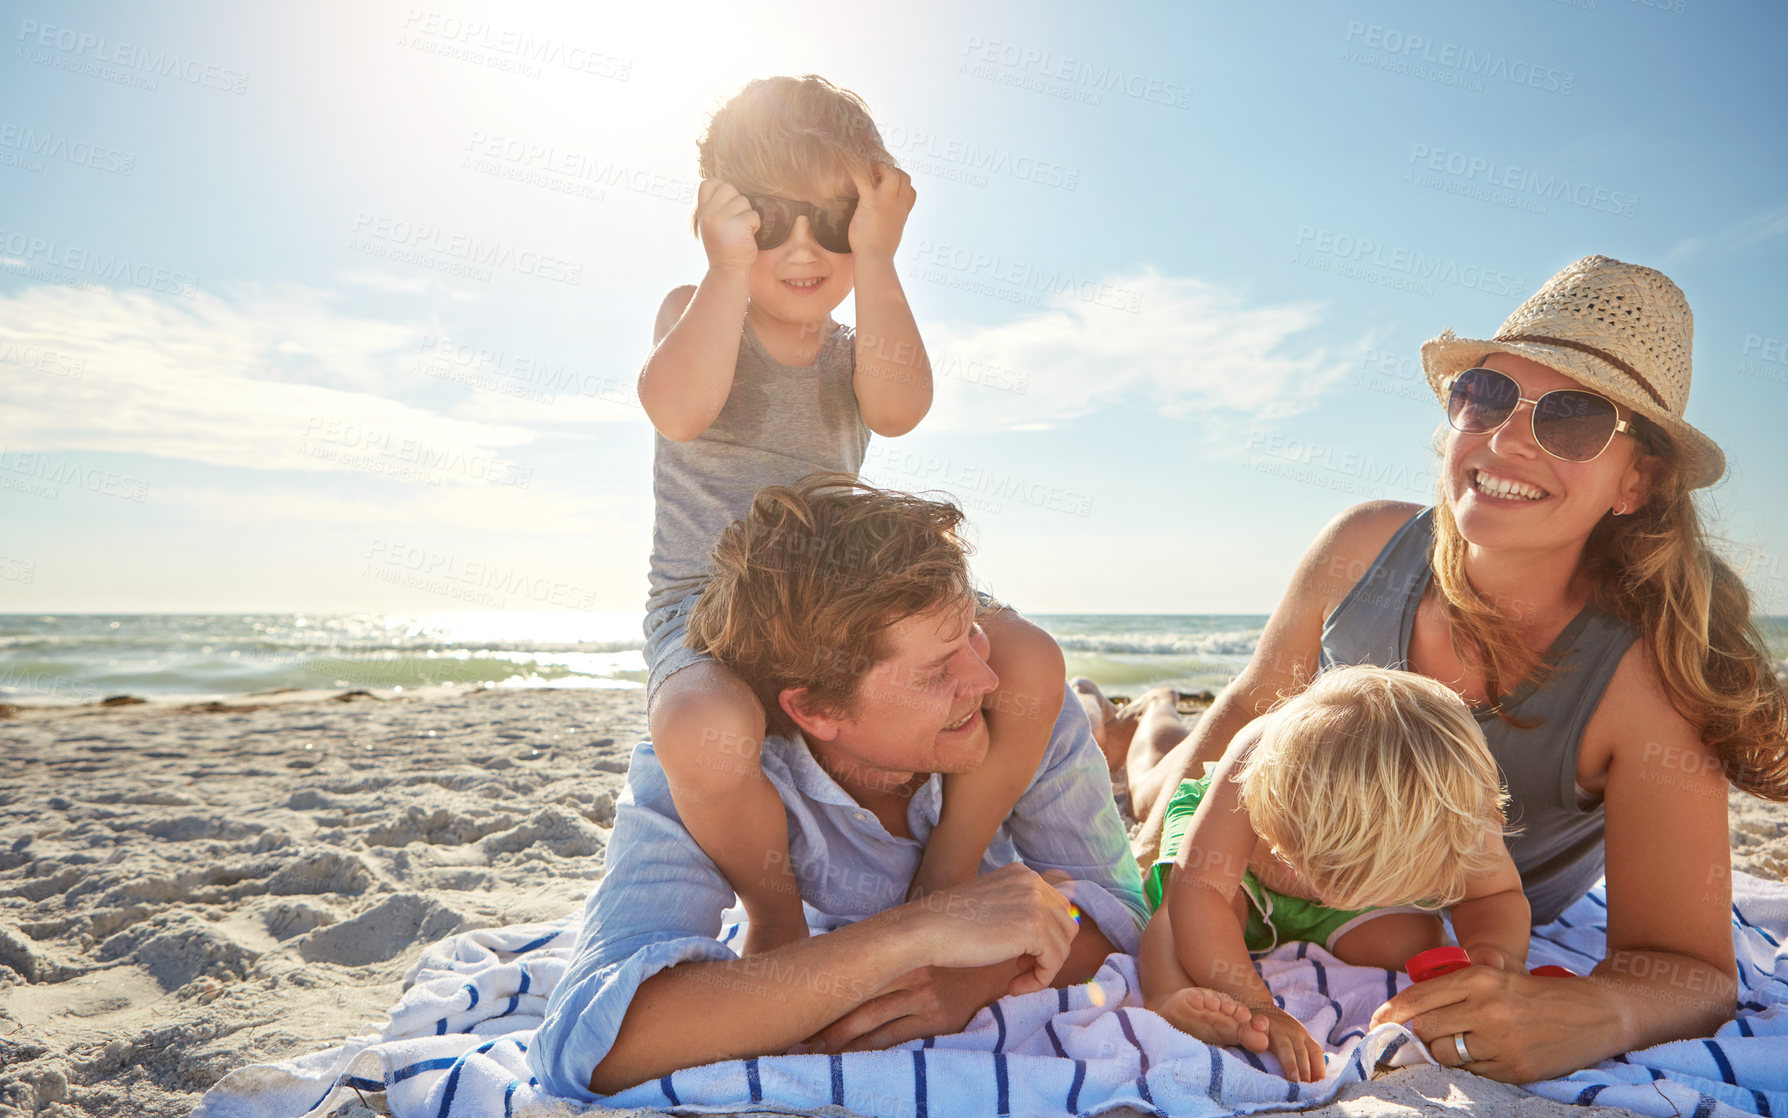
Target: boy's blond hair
1378 787
790 136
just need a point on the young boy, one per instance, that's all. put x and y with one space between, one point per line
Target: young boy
1346 817
751 383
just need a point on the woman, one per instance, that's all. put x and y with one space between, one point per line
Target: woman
1563 588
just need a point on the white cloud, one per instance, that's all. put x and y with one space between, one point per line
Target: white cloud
1743 234
1192 350
488 512
385 281
255 381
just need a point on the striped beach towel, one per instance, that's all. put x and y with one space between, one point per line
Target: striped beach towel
456 1044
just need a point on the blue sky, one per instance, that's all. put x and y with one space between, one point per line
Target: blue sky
1165 258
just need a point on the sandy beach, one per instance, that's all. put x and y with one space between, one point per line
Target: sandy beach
187 889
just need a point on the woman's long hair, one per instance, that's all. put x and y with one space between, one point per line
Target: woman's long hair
1654 570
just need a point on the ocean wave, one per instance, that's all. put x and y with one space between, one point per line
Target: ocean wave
1164 644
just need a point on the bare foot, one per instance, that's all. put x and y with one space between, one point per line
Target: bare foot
1214 1018
1099 713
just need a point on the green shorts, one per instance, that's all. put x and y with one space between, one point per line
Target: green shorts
1273 918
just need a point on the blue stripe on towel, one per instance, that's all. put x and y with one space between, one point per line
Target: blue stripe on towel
1061 999
752 1083
1704 1108
1215 1087
472 989
670 1091
1744 1027
999 1042
1720 1059
1589 1094
1294 1093
402 1074
1390 985
452 1087
921 1107
837 1080
541 942
1074 1090
527 980
1253 1059
1049 1029
1762 1103
1391 1049
441 1027
509 1098
1000 1088
1322 979
1741 919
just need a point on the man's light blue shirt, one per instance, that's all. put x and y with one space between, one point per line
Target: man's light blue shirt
661 899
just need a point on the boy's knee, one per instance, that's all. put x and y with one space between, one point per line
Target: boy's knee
1028 661
706 719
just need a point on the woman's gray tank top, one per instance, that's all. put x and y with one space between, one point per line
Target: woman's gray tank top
1559 850
780 423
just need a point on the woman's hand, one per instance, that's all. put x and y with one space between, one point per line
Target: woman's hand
1517 1028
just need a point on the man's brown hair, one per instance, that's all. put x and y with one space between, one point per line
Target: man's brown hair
805 586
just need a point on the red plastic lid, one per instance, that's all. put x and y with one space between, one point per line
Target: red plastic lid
1435 962
1551 970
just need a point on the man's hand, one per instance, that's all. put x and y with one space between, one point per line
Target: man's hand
882 207
929 1001
728 225
1003 915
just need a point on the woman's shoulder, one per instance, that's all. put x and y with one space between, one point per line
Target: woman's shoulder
1343 552
1347 544
1635 723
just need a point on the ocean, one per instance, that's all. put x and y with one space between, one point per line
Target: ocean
83 658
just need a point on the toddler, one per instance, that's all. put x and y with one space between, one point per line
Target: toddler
1348 817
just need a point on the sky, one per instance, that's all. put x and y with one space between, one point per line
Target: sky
337 306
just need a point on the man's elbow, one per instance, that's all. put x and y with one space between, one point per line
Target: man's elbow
612 1076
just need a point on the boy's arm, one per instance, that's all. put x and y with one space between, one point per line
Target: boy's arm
696 338
893 377
1204 885
1493 921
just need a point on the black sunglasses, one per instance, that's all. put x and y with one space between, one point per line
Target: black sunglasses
831 222
1569 423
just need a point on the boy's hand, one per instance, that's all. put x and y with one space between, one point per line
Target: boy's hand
882 207
1300 1057
728 225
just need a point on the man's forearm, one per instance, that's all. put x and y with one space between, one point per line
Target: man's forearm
697 1013
1086 956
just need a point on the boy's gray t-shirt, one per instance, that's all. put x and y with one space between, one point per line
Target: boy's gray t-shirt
780 423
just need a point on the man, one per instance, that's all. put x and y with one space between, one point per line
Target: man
849 612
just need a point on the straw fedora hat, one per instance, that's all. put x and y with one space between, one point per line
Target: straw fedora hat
1616 328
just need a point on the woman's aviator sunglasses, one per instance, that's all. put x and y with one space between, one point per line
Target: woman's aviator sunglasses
1568 423
831 222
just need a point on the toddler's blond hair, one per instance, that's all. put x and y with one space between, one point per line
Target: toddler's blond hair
790 136
1378 787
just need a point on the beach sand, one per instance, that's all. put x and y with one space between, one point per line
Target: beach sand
188 889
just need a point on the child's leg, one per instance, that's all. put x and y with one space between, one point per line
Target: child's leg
1158 730
1203 1014
1020 716
1388 941
707 729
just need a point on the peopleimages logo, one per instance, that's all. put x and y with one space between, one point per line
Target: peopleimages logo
1405 53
